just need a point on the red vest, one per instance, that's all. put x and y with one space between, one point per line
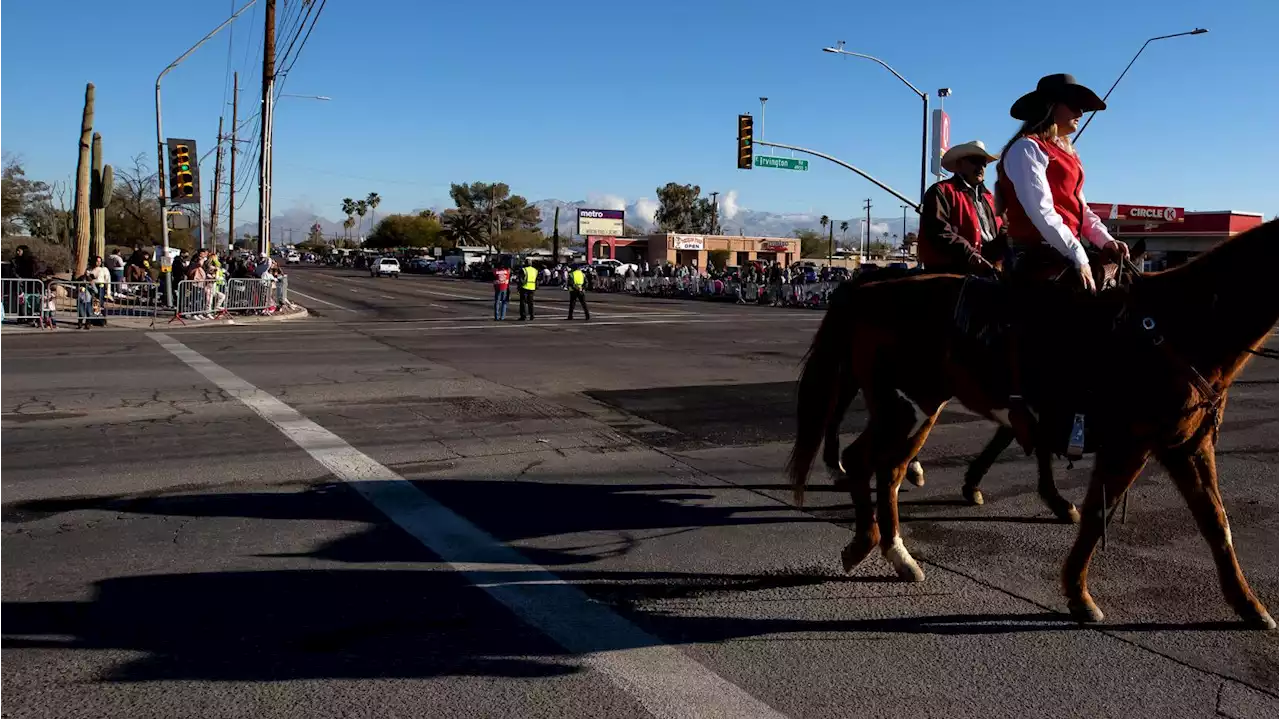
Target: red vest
501 278
964 220
1066 177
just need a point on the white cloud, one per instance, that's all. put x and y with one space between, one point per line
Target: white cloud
729 204
646 209
606 202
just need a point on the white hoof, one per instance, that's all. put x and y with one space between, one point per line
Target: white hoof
915 473
903 563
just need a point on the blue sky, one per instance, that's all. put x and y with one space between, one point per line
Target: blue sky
577 100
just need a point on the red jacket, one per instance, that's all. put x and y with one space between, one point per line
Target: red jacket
1066 176
949 228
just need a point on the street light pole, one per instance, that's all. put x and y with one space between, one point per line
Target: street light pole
763 100
924 99
1197 31
160 178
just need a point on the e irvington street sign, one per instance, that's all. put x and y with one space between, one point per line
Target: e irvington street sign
782 163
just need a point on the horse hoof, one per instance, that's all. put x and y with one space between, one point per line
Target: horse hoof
856 551
915 473
1070 515
1256 617
1086 612
910 572
974 496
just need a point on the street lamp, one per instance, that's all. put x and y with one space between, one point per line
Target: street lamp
924 98
306 97
1197 31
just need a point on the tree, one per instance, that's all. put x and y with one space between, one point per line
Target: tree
519 239
362 206
812 243
348 209
681 208
824 221
462 227
494 208
429 214
404 231
844 227
25 204
315 235
373 201
347 224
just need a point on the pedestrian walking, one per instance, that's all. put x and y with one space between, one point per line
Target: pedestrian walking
528 284
577 293
501 292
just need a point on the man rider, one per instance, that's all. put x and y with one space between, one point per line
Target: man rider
958 221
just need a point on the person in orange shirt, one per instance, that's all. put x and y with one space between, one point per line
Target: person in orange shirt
501 292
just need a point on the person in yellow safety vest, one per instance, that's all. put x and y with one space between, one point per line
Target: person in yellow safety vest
577 285
528 283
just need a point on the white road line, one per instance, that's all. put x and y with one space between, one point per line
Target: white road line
323 302
665 680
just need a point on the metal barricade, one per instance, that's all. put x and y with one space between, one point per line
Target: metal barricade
93 304
24 301
255 295
199 300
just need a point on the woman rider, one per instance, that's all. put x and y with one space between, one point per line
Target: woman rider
1039 187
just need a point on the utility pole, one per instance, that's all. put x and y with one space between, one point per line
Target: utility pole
715 214
264 169
867 242
231 191
831 242
905 246
217 180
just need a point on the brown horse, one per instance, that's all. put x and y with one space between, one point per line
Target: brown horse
1191 328
1106 276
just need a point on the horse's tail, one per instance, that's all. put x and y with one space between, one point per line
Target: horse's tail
819 388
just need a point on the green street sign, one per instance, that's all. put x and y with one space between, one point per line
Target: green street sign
782 163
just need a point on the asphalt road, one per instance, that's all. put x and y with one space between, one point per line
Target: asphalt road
400 508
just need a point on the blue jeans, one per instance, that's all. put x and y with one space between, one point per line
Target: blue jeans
500 298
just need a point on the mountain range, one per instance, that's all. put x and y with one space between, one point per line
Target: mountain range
292 225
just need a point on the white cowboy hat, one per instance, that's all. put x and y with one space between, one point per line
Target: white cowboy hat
968 149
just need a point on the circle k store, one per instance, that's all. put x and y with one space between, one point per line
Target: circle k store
1173 235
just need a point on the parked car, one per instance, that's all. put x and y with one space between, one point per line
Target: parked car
388 266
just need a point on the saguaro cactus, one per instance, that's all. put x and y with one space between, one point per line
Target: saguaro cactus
99 197
82 184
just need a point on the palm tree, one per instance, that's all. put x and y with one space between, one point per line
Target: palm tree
844 227
824 221
348 209
347 224
362 206
462 227
373 201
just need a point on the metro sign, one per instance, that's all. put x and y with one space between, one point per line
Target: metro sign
1137 213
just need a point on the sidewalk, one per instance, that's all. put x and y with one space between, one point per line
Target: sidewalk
163 321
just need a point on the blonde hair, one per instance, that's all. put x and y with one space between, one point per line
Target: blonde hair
1046 129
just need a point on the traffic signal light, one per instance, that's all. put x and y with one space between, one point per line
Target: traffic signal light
184 172
744 142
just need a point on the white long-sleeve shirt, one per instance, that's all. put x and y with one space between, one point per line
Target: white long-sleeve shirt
1025 165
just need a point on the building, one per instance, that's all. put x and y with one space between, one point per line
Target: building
1173 235
693 249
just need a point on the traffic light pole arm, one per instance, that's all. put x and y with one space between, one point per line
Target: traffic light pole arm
914 205
160 176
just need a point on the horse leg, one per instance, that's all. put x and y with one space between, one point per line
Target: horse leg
1053 499
1113 472
831 445
979 467
856 459
900 442
1196 475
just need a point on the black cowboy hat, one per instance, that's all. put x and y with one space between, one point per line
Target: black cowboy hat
1051 89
